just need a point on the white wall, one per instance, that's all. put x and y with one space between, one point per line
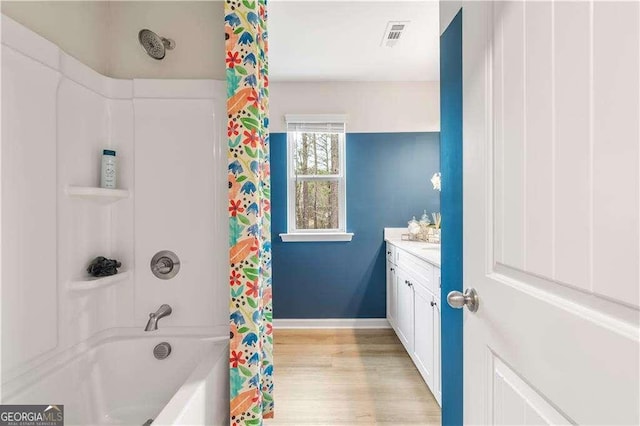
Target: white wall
104 34
78 27
58 115
370 106
448 10
196 26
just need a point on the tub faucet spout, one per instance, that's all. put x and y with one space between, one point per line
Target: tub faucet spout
163 311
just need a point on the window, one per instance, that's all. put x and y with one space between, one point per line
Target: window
316 179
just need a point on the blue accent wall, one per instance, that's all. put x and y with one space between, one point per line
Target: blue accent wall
451 157
388 182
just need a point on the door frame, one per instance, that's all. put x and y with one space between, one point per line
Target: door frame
451 206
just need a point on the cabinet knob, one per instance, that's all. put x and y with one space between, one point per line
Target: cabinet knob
433 303
392 269
388 252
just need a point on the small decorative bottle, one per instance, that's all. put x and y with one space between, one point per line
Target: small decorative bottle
108 175
424 226
425 218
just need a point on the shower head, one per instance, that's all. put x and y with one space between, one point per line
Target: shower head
155 45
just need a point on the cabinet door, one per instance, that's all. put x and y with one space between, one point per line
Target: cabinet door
391 253
424 348
404 315
392 294
437 358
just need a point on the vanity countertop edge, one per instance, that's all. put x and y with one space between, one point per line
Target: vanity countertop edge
425 251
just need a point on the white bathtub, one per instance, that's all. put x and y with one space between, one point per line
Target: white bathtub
117 381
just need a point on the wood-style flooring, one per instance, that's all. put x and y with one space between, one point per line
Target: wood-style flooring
348 377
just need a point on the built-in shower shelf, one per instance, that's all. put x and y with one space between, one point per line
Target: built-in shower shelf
98 195
92 283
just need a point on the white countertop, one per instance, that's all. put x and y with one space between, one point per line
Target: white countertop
426 251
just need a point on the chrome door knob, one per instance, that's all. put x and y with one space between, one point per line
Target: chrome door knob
457 300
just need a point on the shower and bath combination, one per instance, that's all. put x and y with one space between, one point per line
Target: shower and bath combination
155 45
136 375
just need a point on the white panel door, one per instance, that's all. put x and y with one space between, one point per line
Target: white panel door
551 108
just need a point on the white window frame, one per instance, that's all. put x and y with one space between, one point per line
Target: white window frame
300 235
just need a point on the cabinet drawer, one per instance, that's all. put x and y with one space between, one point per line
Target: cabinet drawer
422 271
391 253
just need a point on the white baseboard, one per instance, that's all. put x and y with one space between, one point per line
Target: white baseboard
331 323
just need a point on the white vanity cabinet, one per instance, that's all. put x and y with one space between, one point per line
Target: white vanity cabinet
413 310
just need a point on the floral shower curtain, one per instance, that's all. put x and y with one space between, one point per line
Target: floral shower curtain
251 345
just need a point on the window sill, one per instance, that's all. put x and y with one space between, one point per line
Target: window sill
303 237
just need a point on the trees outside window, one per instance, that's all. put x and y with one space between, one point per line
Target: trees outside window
316 176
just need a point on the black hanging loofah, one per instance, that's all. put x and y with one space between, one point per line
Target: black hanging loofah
103 267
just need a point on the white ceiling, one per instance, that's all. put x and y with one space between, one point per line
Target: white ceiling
341 41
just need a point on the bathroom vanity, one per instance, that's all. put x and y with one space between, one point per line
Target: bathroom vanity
413 303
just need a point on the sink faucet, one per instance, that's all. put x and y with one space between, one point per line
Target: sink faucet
163 311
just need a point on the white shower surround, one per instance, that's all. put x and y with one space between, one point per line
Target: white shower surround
171 146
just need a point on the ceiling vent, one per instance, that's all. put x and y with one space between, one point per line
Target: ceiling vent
393 32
